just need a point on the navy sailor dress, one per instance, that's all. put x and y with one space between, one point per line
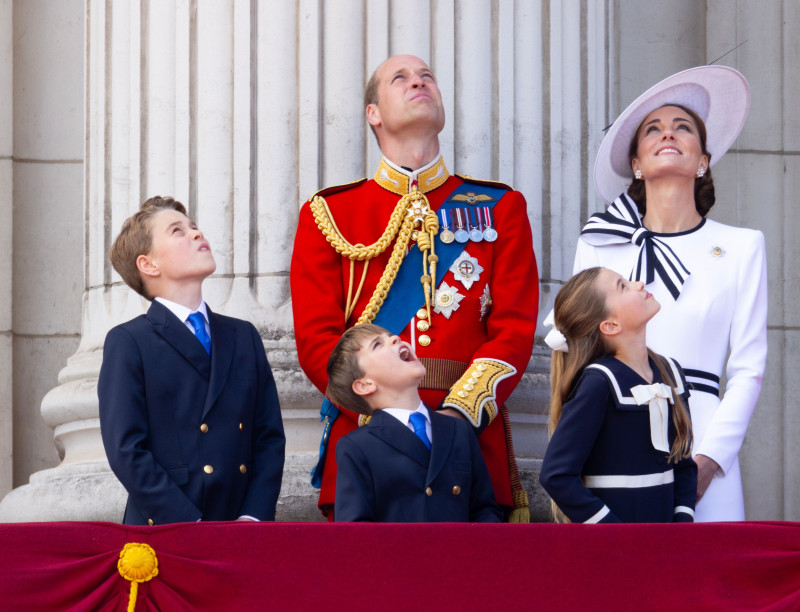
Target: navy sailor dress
607 459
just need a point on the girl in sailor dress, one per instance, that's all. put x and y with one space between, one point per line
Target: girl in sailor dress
621 437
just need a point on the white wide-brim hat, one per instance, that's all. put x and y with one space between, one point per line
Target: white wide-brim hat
719 95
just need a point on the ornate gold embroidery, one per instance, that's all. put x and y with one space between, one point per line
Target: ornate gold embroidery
482 376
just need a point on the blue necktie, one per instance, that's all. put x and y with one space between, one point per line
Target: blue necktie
199 324
417 420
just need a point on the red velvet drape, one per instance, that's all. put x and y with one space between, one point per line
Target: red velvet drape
315 566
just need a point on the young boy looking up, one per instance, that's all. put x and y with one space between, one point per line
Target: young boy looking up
189 411
408 464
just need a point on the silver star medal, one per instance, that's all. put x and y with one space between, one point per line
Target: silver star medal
486 302
446 300
466 269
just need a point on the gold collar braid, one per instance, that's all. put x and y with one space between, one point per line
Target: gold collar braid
411 212
400 182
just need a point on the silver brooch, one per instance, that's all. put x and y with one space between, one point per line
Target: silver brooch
486 302
466 269
446 300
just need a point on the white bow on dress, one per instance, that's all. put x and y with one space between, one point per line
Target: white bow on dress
656 396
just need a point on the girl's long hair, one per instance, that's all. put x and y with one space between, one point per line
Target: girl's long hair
579 308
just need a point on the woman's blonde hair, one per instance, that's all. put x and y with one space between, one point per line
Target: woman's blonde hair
580 307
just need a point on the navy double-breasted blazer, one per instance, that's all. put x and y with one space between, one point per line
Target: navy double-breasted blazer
386 474
190 436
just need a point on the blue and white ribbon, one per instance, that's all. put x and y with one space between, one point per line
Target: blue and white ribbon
621 224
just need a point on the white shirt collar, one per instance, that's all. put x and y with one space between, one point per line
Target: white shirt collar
402 415
181 311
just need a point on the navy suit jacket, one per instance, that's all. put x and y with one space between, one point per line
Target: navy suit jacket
386 474
190 436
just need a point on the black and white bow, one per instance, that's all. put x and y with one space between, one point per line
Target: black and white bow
620 224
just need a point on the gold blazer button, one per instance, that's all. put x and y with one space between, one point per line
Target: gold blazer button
208 469
204 428
456 490
428 491
243 468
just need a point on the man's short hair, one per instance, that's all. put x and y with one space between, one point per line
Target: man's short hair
136 237
343 369
371 95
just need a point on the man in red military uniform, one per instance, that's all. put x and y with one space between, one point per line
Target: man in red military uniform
445 262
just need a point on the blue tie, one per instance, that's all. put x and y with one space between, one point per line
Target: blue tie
417 420
199 324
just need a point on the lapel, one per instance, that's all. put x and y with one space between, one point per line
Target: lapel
443 433
399 437
223 345
175 332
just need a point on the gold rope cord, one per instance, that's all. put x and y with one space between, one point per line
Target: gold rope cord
411 210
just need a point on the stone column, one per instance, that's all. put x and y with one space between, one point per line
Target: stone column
6 190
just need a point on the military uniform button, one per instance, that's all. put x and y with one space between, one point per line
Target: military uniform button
423 325
150 522
208 469
472 381
468 387
243 468
477 374
424 340
422 313
241 427
428 491
462 394
482 367
204 428
456 490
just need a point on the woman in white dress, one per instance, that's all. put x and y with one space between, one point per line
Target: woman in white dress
710 278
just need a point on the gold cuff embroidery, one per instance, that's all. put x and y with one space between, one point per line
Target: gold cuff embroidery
476 390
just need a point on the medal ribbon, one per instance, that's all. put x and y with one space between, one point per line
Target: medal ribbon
445 219
621 224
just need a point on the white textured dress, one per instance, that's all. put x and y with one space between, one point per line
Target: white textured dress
722 307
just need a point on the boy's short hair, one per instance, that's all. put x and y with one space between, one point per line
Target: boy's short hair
343 369
135 238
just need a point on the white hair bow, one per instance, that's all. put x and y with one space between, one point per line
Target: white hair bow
554 338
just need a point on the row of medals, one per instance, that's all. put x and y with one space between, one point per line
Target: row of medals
479 220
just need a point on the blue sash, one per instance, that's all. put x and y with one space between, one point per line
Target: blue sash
397 309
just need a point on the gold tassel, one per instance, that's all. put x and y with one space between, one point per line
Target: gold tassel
137 563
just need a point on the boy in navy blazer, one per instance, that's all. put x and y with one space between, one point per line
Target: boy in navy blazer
189 411
408 464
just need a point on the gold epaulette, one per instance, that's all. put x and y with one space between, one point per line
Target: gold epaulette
476 390
336 188
497 184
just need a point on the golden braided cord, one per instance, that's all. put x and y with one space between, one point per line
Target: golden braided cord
326 224
389 273
401 224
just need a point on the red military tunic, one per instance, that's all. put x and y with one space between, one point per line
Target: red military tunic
494 319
